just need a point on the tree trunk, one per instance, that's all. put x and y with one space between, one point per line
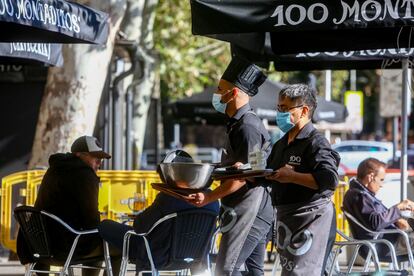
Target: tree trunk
138 26
72 93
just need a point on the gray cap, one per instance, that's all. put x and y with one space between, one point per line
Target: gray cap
91 145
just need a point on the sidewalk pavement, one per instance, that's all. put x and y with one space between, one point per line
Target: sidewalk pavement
14 268
11 268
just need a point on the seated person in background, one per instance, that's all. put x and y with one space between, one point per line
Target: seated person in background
69 190
360 202
114 232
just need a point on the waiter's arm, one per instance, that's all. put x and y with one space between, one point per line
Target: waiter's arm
323 162
227 187
243 140
286 174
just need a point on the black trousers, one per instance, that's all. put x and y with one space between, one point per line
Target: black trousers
114 232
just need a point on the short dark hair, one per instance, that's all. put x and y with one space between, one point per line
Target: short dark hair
369 165
301 93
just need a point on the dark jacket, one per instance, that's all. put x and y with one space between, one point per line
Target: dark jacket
69 190
369 210
161 237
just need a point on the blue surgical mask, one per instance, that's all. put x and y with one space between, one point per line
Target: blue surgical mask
217 104
283 121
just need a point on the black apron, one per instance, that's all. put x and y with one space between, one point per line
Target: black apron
305 231
237 217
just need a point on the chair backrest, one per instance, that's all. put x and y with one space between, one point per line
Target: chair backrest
192 234
34 231
354 222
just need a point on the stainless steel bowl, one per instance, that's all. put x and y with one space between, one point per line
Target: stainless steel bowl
187 175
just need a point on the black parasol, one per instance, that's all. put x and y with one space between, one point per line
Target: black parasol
198 107
336 60
31 53
297 26
51 21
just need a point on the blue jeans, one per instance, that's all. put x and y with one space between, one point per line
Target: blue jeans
253 251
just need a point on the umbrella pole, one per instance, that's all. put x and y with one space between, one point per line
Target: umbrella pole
404 128
394 138
328 94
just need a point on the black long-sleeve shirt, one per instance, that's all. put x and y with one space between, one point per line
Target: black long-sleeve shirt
309 152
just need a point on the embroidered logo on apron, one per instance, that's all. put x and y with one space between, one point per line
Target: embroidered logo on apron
227 219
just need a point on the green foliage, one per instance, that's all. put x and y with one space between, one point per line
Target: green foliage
188 63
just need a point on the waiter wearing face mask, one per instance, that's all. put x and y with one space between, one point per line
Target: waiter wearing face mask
304 180
246 211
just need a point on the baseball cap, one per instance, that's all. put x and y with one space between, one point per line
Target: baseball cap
90 145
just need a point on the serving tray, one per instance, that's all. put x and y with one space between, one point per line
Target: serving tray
223 175
179 193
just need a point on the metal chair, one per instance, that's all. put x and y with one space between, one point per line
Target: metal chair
375 240
35 234
338 245
191 237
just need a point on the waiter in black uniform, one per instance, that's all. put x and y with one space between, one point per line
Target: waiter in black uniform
304 180
246 210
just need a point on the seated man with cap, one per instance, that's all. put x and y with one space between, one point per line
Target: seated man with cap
69 190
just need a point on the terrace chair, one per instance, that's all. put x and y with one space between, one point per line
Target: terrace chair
392 258
36 234
338 245
192 232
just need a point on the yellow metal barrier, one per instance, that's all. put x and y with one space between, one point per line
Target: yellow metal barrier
338 198
118 192
121 194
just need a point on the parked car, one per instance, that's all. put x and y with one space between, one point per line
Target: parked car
352 152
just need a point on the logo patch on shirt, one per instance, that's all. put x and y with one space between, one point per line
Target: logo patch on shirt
295 160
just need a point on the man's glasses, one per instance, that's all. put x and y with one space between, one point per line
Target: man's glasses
286 109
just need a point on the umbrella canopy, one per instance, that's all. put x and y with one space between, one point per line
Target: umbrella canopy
198 107
53 21
337 60
297 26
28 53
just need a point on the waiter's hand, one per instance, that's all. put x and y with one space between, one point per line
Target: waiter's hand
282 175
199 199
